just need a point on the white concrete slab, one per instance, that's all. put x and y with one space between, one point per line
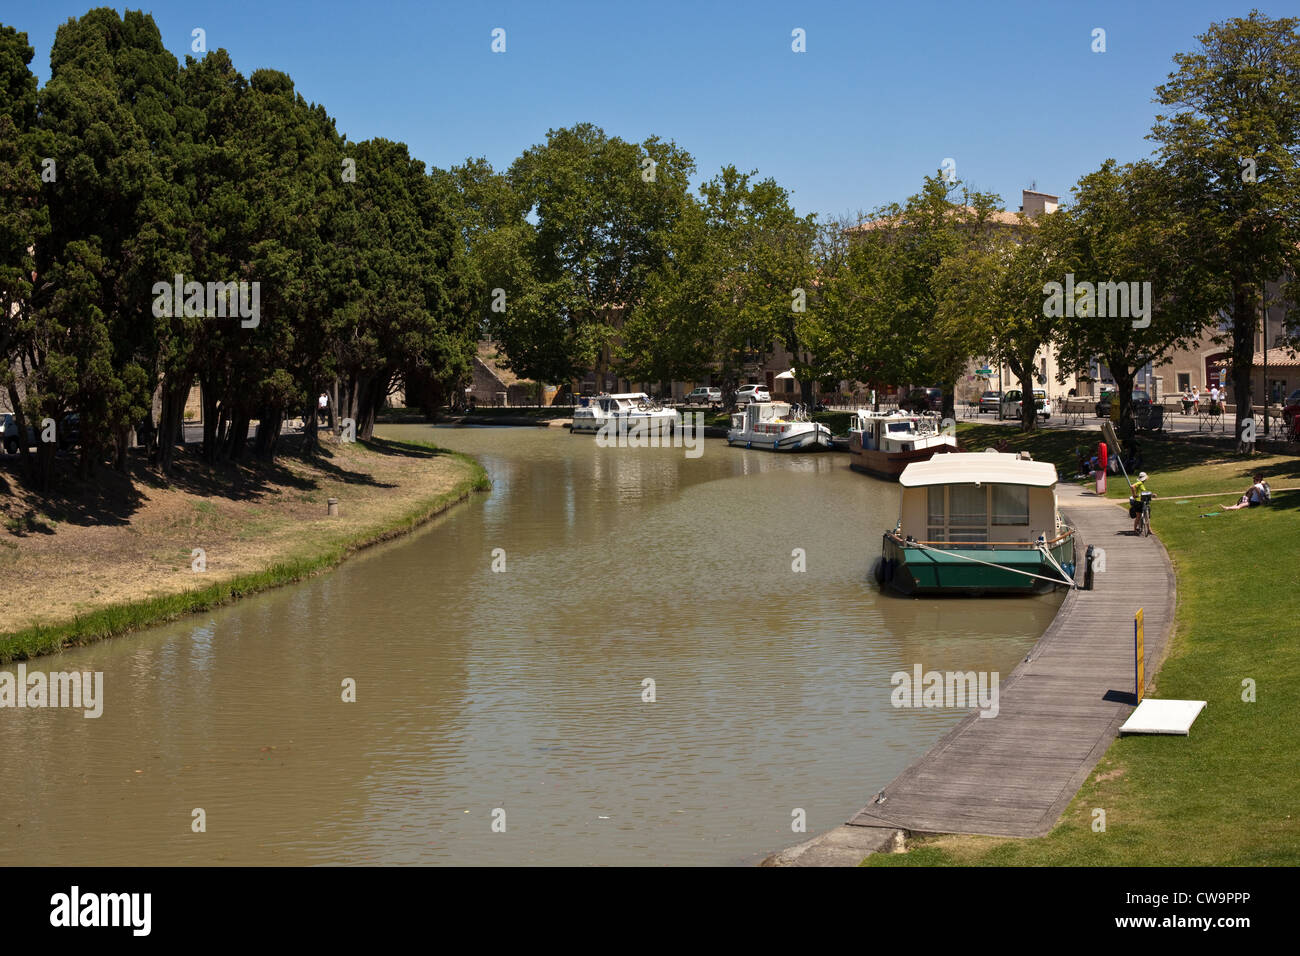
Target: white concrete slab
1163 717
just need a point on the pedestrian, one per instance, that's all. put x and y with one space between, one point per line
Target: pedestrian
1257 494
1196 399
322 409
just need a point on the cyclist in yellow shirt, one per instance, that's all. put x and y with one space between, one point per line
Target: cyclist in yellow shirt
1135 500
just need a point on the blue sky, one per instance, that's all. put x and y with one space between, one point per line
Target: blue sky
1011 91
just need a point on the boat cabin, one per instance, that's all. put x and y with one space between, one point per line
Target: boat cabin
893 432
978 498
761 417
621 403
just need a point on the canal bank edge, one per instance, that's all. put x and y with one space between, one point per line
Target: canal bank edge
119 619
850 843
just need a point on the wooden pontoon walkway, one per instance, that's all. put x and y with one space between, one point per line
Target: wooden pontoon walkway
1013 774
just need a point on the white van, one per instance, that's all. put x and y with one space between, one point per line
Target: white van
1010 407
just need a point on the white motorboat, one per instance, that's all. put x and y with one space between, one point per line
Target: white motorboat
777 426
625 412
883 444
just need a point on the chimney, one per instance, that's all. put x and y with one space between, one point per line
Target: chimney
1036 204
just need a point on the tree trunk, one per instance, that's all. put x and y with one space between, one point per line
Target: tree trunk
1124 377
269 419
171 421
1028 407
211 422
1243 358
21 422
310 420
121 447
239 424
371 398
1023 370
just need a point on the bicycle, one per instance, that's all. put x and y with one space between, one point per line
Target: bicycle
1142 524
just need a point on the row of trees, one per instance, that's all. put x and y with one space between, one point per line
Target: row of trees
128 169
703 280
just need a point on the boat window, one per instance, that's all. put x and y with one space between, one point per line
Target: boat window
934 526
896 427
967 513
1010 505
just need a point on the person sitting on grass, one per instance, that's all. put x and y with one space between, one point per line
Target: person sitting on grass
1135 500
1257 494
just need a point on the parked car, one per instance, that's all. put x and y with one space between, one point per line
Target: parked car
1141 400
752 393
989 402
1010 406
69 433
9 434
704 395
922 400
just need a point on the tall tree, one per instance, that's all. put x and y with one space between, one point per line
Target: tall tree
1124 236
882 302
991 301
24 220
1232 138
726 292
109 109
604 211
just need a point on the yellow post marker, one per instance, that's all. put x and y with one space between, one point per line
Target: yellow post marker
1139 665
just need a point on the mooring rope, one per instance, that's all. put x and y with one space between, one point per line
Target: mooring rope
1062 580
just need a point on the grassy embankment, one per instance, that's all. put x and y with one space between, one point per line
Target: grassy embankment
97 560
1229 793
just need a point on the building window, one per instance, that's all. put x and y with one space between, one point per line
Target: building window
1184 381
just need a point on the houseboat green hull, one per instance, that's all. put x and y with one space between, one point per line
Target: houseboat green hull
974 569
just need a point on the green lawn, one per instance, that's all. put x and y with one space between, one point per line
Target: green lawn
1229 794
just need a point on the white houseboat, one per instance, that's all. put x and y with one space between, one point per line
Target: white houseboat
978 524
777 426
883 444
623 412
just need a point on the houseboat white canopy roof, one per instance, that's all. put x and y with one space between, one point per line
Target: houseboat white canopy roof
625 395
963 468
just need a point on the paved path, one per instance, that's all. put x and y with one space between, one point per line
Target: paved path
1013 774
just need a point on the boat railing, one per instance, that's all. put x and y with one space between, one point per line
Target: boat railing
976 545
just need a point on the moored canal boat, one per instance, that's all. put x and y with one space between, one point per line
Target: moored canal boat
626 410
883 444
777 426
984 523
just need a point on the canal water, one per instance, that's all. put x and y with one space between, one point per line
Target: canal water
517 696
